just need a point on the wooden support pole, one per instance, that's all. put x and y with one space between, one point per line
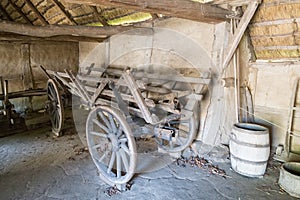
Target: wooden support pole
243 24
64 12
36 12
20 12
99 17
61 30
25 62
5 14
179 8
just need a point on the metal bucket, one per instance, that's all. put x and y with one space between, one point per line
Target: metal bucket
249 149
289 179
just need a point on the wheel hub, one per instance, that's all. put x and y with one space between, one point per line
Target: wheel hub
115 142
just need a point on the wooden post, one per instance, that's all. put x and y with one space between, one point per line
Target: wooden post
26 68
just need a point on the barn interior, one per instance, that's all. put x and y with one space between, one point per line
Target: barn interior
228 67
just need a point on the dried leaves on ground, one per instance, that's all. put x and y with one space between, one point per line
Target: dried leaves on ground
110 191
201 163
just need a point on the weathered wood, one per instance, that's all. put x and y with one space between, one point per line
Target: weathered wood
243 24
25 93
99 16
5 14
20 12
179 8
12 37
26 68
36 12
64 12
57 30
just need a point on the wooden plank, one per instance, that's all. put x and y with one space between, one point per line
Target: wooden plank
4 13
26 68
36 12
139 75
60 30
179 8
235 40
20 12
64 12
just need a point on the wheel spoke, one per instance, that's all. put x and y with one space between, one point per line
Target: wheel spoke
103 156
180 141
119 132
118 165
111 162
125 148
105 120
97 146
123 140
112 123
124 159
100 125
99 134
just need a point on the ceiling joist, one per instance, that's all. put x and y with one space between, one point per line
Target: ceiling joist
61 30
99 16
36 12
5 14
20 12
179 8
64 11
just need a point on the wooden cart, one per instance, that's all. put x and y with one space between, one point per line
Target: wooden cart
125 104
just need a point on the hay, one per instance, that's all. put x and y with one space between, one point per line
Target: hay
275 41
278 54
277 12
273 30
136 17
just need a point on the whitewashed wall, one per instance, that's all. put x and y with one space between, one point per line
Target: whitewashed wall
175 43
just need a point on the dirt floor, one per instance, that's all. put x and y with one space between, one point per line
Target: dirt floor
35 165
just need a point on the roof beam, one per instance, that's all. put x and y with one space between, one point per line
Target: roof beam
99 17
64 12
36 12
179 8
239 32
20 12
61 30
5 14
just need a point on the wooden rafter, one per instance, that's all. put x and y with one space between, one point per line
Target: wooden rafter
61 30
64 12
5 14
99 16
36 12
179 8
242 26
20 12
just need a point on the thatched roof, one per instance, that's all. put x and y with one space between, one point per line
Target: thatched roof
62 13
274 30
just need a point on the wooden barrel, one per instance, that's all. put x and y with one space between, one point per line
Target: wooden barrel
249 149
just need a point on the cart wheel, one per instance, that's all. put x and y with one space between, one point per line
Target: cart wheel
55 107
111 145
183 131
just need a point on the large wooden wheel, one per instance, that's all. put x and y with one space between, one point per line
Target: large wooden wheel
111 145
55 107
182 129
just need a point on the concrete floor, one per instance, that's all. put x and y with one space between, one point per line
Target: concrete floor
34 165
